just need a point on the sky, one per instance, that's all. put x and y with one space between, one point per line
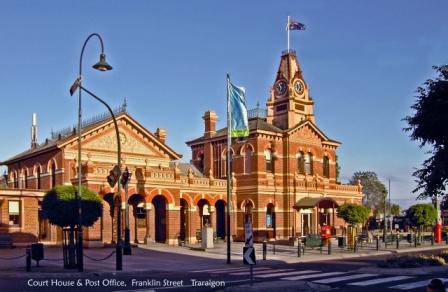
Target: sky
362 60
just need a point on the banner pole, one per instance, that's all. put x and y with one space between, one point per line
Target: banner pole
287 28
229 181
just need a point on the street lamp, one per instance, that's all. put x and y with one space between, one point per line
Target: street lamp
116 171
101 66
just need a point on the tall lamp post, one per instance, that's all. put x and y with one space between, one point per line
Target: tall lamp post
100 66
119 258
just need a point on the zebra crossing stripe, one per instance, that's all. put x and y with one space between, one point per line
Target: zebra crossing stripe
344 278
379 281
409 286
258 272
244 269
313 276
220 270
286 274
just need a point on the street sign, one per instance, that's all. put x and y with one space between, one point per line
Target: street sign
249 255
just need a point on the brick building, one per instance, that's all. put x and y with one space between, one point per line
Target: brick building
283 175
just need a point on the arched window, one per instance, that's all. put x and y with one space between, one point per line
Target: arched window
248 160
224 163
248 211
268 158
326 166
53 174
308 163
270 216
38 185
301 163
25 173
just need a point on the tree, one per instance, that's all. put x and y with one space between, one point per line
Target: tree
374 190
353 214
421 215
61 208
428 126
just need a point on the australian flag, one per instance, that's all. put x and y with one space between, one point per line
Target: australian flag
294 25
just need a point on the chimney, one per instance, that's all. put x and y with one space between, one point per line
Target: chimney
210 119
33 131
161 134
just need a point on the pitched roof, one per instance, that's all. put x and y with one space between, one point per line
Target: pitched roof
254 125
66 136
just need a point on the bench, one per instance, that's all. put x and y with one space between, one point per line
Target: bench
313 241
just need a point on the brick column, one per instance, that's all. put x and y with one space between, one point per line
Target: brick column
194 223
173 224
148 236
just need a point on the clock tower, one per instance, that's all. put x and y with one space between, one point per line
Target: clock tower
289 102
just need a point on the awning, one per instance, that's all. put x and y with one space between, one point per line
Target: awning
310 202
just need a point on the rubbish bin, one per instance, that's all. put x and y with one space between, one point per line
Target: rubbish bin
342 241
37 252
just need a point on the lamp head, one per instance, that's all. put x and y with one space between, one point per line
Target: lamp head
102 65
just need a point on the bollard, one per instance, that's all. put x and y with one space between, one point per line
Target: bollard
274 247
432 240
415 240
321 247
299 247
355 245
264 249
329 246
28 260
385 241
377 242
398 241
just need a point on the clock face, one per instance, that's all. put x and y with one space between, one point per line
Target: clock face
299 87
280 87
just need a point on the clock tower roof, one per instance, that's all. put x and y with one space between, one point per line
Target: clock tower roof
289 66
289 102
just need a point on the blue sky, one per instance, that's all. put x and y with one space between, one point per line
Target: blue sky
362 60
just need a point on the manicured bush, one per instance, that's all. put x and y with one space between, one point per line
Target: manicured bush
353 214
61 207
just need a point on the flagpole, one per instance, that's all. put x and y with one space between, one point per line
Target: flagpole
229 186
287 28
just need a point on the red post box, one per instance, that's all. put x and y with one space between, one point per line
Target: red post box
325 232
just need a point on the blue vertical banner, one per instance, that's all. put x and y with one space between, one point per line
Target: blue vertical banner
238 111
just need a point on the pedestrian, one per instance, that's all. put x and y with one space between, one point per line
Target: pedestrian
435 285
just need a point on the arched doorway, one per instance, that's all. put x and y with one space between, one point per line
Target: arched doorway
108 219
248 211
137 217
220 219
159 203
204 212
184 220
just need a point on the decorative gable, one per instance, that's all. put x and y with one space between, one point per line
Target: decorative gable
129 144
306 134
135 140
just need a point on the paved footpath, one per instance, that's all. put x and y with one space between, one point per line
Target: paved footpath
160 267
